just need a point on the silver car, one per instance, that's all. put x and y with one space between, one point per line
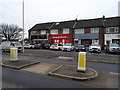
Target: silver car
113 48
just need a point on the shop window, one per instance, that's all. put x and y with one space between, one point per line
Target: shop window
79 31
94 30
55 31
112 30
96 41
43 37
65 31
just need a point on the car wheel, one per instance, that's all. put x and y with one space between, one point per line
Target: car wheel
59 49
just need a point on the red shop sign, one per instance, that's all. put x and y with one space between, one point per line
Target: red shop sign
60 36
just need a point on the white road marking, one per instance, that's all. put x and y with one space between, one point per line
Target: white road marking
114 73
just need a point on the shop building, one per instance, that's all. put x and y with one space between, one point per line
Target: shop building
112 32
96 31
62 32
40 33
87 32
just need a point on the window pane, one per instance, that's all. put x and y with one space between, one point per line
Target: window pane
65 31
94 30
43 32
54 31
35 32
79 31
112 30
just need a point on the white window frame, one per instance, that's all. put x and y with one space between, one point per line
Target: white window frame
66 31
79 31
94 30
115 30
54 31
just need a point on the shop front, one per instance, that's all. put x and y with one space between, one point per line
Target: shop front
112 38
60 39
86 39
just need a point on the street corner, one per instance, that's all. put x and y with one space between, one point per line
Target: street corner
70 72
18 64
41 68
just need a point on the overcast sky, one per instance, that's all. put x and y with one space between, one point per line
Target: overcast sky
40 11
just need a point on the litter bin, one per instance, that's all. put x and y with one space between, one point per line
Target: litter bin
13 54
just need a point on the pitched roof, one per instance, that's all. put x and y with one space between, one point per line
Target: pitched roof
98 22
64 24
42 26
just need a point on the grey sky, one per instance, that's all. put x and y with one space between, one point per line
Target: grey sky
38 11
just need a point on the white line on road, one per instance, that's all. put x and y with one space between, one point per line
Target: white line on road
114 73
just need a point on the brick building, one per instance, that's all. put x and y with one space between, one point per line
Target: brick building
89 31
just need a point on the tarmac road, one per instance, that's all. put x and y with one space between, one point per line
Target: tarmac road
21 79
40 81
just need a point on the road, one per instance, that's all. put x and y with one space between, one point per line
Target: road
20 79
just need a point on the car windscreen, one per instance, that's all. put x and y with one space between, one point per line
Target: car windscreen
54 44
67 45
17 44
95 45
114 45
80 46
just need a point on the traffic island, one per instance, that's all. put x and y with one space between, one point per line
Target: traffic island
70 72
18 64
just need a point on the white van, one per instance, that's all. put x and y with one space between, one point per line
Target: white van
7 45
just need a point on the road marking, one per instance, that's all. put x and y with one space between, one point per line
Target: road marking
62 57
114 73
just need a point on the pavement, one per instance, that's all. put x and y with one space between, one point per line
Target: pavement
65 71
18 64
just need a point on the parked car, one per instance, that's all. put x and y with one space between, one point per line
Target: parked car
80 47
68 47
113 48
46 46
28 45
95 48
7 45
39 46
56 47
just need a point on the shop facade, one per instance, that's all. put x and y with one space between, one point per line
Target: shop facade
86 32
60 38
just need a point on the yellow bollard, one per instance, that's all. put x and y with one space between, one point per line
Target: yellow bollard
13 54
81 62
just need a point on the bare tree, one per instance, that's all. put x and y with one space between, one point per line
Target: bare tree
10 32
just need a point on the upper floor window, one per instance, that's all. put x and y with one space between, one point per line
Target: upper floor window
55 31
94 30
112 30
43 32
79 31
35 32
65 31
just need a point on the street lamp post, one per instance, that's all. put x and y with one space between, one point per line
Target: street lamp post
23 27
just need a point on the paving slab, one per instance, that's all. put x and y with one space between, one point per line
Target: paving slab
41 68
69 71
18 64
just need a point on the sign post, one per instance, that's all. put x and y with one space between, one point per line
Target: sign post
81 62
